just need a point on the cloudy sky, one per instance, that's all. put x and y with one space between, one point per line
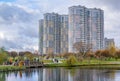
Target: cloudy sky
19 19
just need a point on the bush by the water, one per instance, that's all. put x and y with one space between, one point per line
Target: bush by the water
71 60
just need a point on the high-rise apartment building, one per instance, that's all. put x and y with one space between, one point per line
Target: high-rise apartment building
51 36
41 36
86 25
58 33
77 26
96 26
108 43
64 33
55 36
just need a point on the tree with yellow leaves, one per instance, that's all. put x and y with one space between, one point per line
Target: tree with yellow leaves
112 50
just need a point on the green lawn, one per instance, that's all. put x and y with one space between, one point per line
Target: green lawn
93 62
10 68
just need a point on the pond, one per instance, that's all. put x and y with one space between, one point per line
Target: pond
61 74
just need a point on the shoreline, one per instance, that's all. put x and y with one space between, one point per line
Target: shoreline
4 68
87 66
80 66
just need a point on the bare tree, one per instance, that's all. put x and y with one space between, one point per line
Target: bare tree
50 53
82 48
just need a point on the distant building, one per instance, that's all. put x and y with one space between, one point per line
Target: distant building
64 33
78 25
41 25
58 33
108 43
54 34
86 25
96 27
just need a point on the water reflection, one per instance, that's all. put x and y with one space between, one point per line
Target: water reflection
61 74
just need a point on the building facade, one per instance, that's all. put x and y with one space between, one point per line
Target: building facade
51 34
64 33
58 33
55 35
108 43
96 26
86 25
41 36
77 26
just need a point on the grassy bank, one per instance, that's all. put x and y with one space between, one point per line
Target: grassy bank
10 68
88 64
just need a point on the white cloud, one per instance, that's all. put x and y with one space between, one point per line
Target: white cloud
1 35
19 27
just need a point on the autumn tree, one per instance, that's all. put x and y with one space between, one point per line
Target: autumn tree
29 55
112 50
82 48
106 53
71 60
13 54
21 54
98 53
50 53
118 53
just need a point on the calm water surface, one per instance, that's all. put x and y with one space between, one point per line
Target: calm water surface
61 74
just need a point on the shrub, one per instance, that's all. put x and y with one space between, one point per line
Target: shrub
117 54
71 60
91 55
106 53
98 53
